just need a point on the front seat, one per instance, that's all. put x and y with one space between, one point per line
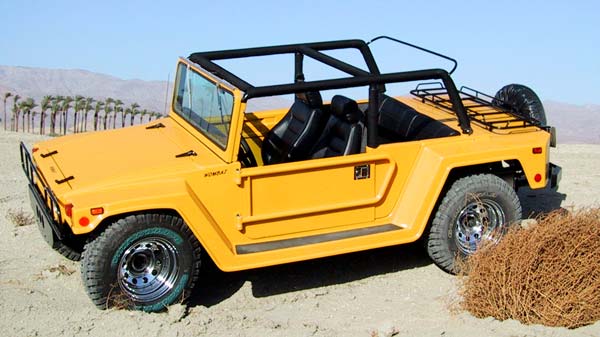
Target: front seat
295 135
343 132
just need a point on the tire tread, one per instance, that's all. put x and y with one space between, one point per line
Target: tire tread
92 258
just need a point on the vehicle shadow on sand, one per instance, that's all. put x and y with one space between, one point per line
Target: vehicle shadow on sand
215 286
540 202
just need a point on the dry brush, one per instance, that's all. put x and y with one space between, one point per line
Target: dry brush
547 274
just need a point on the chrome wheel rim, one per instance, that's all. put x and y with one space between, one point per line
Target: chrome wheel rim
148 269
479 221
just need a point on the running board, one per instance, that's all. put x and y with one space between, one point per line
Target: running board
309 240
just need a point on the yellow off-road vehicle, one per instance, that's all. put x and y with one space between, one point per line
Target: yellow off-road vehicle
142 206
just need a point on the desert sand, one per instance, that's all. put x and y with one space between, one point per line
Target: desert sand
392 291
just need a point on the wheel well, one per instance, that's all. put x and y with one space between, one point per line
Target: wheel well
510 171
112 218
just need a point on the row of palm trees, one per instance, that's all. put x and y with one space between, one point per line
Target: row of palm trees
58 115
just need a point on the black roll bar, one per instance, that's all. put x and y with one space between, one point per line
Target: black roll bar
205 59
369 80
357 77
419 48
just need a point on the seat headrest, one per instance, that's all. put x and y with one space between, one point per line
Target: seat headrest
312 98
345 109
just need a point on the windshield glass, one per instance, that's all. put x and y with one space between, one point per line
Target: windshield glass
204 104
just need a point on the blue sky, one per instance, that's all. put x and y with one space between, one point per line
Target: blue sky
551 46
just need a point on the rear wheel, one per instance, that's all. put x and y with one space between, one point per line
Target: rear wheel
521 100
144 262
476 209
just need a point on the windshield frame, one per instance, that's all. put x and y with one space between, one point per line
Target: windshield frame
202 121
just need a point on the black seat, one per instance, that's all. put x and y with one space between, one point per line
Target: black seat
343 131
399 122
295 135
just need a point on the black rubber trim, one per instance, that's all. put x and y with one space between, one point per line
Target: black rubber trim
309 240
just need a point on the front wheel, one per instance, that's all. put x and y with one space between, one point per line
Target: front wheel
476 209
144 262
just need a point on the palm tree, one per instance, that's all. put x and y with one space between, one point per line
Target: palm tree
107 110
134 111
87 107
138 113
14 120
79 101
118 109
21 106
31 115
25 107
6 96
97 108
65 106
31 124
125 113
143 113
44 105
54 111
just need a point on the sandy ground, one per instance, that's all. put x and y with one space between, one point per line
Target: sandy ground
393 291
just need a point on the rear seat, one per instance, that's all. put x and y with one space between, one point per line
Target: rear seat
398 122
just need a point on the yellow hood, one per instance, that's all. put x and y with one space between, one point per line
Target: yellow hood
117 156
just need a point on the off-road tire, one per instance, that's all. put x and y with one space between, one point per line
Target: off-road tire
477 196
68 250
143 262
522 100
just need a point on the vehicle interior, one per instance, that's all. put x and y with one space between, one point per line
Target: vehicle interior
311 129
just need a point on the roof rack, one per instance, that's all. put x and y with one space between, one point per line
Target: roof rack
481 108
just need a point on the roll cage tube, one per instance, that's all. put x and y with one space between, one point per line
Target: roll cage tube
358 77
419 48
205 59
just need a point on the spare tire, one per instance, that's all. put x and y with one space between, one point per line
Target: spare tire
522 101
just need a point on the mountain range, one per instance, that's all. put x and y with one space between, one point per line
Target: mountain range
38 82
575 123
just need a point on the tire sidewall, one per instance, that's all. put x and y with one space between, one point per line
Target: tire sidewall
474 195
441 242
127 237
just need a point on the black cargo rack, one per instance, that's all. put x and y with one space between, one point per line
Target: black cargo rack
483 109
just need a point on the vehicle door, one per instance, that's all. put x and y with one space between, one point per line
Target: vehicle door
312 195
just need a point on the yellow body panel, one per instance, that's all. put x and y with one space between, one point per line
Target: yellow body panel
229 207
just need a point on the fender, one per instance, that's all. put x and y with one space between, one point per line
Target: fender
171 194
418 199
